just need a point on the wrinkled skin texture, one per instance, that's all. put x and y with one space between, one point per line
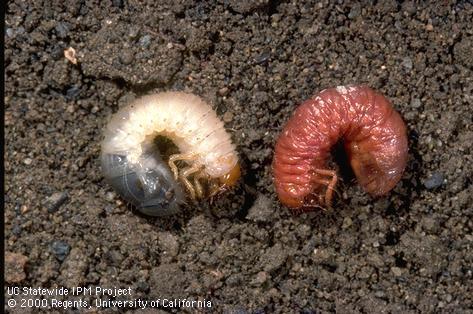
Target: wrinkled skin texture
374 137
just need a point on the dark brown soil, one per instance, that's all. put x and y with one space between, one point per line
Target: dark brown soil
410 252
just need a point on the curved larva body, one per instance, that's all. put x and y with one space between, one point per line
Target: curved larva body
184 118
374 137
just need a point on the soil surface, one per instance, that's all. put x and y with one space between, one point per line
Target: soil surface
254 61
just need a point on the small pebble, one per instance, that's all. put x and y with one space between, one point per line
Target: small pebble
145 41
57 53
262 57
114 257
70 55
61 30
118 3
227 117
415 103
407 63
379 294
354 12
396 271
134 32
238 310
109 196
223 91
72 92
126 57
17 209
169 244
16 230
434 181
27 161
55 201
429 224
109 209
347 222
60 249
10 32
261 278
142 286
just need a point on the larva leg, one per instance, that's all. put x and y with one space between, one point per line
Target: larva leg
214 189
329 183
184 177
177 157
311 206
320 198
198 187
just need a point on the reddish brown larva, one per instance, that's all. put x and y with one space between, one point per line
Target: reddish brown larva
374 137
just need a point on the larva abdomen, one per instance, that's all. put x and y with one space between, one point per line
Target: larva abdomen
149 186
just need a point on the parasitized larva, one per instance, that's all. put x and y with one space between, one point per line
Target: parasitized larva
132 164
374 137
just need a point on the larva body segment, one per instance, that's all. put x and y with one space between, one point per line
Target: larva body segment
374 137
194 128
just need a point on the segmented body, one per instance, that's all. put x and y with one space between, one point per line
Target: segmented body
374 137
128 150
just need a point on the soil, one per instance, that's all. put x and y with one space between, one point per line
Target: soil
254 61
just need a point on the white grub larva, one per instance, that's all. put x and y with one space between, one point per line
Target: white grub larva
132 164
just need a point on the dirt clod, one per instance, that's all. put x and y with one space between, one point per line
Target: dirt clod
15 267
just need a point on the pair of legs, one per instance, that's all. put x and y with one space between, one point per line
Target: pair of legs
195 188
325 201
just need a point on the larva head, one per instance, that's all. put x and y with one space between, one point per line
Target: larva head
289 196
230 178
291 202
301 204
225 182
